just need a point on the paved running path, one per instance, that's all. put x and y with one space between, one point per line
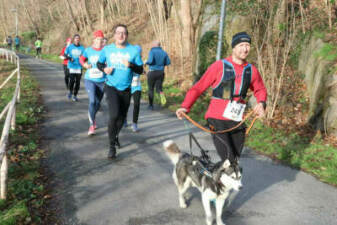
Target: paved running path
137 188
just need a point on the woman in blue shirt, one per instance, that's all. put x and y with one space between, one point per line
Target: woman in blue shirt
93 78
73 53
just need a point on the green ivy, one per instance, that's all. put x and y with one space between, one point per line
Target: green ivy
327 52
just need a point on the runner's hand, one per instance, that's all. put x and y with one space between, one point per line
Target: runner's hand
87 65
126 63
259 110
179 113
108 70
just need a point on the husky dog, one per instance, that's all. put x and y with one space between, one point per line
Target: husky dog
213 185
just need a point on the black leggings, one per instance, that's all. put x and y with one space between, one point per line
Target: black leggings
66 75
136 104
38 51
155 78
74 83
228 145
118 103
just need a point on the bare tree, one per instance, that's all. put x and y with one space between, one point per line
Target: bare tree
71 14
186 19
274 37
36 28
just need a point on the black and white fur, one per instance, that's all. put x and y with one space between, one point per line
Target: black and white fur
217 185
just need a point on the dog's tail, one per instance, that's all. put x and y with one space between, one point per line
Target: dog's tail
172 151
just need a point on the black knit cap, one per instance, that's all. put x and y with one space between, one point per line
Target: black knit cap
240 37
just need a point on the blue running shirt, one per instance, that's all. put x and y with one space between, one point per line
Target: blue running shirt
93 74
74 52
121 76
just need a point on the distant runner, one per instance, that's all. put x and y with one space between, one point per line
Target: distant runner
94 78
17 43
9 42
136 91
157 61
73 53
38 47
65 63
105 41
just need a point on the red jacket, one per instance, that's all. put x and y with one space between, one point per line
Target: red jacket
65 61
212 77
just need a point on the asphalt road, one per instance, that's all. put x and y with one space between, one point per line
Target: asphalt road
137 188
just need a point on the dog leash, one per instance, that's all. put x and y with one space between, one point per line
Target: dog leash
205 158
192 138
222 131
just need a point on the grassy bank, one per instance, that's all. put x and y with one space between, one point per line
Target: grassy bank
309 153
26 190
49 57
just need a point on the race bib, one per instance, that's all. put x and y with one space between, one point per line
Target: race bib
95 73
234 111
135 81
77 71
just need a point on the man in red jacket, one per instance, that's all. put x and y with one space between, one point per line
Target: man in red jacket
230 79
65 63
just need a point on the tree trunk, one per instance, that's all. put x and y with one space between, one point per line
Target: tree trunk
37 30
186 19
71 15
102 7
4 18
85 8
195 33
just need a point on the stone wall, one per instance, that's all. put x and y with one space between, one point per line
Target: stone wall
321 86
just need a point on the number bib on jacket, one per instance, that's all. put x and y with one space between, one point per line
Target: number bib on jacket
95 73
234 111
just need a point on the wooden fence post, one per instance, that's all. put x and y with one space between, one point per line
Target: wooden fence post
3 177
13 120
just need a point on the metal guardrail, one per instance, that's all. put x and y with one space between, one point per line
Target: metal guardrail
10 110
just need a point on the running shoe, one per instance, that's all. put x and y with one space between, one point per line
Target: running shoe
69 96
75 99
112 152
91 130
125 124
162 99
95 125
134 127
117 143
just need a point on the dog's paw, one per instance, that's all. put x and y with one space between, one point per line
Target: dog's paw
183 205
209 220
182 202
